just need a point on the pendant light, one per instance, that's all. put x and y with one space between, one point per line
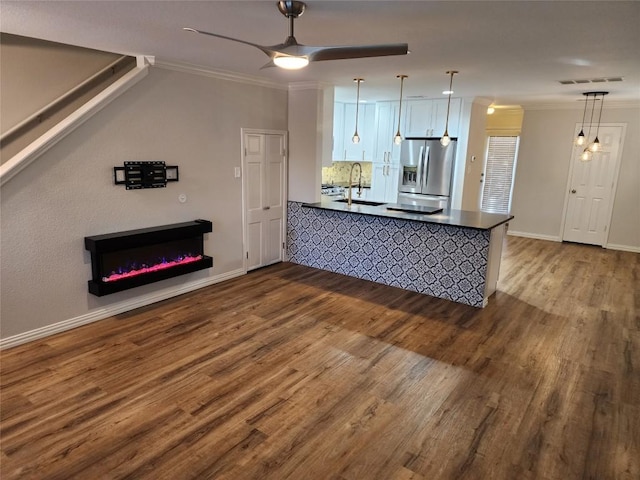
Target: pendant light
356 137
580 140
595 146
445 140
398 138
587 154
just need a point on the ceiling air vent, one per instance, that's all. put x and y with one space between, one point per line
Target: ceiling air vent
590 80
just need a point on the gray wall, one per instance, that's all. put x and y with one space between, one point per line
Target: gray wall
35 72
543 169
68 193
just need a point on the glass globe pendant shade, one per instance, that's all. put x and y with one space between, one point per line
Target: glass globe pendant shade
595 146
397 139
580 139
290 62
355 138
586 155
445 140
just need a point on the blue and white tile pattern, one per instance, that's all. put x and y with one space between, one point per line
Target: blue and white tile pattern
439 260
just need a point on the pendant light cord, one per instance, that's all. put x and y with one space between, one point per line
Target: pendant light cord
402 77
446 125
600 116
585 110
357 101
592 109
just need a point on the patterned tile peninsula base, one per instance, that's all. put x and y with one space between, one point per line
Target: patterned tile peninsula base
438 260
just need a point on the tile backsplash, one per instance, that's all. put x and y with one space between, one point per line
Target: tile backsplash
339 173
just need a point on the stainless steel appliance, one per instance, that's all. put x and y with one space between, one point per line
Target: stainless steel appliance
332 191
425 172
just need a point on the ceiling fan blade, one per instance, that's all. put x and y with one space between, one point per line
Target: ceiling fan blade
345 52
268 50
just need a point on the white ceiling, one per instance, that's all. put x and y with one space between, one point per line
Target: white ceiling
509 52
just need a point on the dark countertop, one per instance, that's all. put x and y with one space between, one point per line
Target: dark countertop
344 184
456 218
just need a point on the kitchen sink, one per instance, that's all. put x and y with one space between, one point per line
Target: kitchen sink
361 202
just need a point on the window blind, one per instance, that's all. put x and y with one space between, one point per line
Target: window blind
498 177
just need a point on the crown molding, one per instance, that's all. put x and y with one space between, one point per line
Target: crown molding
310 85
580 105
219 74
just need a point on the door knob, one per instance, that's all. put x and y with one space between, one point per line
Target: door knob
266 208
573 190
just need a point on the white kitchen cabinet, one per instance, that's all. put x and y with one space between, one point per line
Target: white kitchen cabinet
344 126
366 131
384 183
338 131
386 151
427 118
418 118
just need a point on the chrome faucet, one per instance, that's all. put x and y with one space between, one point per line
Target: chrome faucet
351 182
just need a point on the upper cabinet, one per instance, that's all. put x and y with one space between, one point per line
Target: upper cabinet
386 127
427 118
338 131
344 128
366 131
378 124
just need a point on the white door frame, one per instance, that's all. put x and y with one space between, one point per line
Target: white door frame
614 188
285 190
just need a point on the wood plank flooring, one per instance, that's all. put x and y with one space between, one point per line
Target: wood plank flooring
295 373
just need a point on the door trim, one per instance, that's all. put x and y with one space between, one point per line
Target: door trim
614 187
285 190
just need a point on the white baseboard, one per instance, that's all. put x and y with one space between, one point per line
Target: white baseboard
115 309
609 246
537 236
624 248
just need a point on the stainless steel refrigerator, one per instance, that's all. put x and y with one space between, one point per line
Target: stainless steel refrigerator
425 172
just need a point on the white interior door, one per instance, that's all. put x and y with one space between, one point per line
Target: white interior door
592 189
265 198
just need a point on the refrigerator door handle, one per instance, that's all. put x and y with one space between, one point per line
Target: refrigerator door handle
419 172
425 170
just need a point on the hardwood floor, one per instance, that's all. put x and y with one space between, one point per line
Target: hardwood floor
296 373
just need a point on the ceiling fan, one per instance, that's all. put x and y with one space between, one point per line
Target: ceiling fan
293 55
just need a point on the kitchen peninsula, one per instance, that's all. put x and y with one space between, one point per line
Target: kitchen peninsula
452 254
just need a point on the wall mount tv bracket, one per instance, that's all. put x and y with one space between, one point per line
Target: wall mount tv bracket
136 175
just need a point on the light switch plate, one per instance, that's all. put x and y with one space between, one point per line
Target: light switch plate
236 172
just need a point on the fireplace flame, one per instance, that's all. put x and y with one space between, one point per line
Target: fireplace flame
164 264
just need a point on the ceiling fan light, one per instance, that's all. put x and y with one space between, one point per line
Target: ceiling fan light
291 62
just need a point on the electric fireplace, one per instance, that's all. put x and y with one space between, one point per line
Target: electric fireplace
124 260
